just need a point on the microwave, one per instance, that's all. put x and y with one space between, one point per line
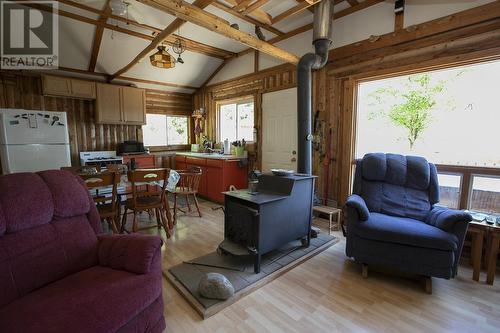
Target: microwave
130 148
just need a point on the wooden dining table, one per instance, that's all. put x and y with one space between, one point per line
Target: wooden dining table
125 189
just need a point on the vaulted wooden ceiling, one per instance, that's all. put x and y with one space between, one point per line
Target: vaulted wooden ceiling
94 41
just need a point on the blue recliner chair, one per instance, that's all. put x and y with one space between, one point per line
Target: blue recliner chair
392 220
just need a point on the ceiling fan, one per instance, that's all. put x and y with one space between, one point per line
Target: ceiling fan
125 8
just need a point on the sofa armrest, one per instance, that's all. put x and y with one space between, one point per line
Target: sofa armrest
358 203
447 219
132 253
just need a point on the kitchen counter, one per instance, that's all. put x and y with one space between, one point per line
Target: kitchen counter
213 156
218 172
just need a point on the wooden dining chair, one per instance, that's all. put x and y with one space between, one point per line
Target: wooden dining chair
187 186
148 200
107 206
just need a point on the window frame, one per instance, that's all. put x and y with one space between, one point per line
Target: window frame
350 128
176 146
238 100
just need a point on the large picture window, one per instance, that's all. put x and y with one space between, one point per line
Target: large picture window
450 117
236 120
163 130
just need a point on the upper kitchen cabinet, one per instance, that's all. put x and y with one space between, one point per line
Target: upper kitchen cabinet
120 105
68 87
108 104
134 105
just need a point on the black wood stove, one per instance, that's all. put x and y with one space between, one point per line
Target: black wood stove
280 212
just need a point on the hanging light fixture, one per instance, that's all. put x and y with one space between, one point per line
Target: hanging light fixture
162 59
179 47
118 7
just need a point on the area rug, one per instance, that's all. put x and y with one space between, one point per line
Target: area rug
186 276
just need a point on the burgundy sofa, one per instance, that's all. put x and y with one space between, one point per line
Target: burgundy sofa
57 274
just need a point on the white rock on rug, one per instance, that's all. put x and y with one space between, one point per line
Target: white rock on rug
215 286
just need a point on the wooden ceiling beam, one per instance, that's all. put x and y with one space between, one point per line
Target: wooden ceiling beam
191 45
195 15
126 78
99 31
159 38
304 28
294 10
353 2
476 15
213 74
256 5
242 5
258 14
362 5
249 19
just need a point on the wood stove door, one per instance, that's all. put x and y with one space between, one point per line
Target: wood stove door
241 224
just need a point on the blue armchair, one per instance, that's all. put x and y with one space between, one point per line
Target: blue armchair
392 220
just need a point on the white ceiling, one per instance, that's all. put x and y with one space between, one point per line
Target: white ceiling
118 49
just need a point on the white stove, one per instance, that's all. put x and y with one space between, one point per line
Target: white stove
100 158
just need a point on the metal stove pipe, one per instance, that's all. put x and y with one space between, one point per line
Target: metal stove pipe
322 38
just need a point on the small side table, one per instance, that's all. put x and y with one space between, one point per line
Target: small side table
494 243
477 232
330 211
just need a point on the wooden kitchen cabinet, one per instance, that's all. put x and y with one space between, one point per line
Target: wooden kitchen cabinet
217 175
144 161
56 85
68 87
180 162
108 104
133 105
120 105
83 89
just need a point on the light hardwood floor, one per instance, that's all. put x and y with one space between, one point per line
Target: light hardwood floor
328 294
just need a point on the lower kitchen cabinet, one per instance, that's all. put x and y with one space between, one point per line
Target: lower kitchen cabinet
217 175
145 161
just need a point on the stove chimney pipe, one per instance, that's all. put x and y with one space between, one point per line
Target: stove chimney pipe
322 38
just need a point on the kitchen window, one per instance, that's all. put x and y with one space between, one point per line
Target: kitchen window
236 120
163 130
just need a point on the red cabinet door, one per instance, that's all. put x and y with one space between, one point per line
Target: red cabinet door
215 185
180 165
141 161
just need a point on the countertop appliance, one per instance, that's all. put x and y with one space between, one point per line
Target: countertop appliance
130 148
100 158
32 140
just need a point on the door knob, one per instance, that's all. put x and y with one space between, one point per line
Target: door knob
294 159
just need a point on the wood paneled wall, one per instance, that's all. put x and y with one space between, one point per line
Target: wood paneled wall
255 84
24 91
335 88
465 45
172 103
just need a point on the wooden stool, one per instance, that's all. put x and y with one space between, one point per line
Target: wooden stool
330 211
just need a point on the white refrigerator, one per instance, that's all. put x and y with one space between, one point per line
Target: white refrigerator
33 140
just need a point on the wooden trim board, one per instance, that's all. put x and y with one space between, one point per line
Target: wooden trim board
206 313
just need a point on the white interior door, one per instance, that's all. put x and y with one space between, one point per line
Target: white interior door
279 130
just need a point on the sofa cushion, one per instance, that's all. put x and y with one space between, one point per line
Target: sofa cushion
41 255
98 300
405 231
26 201
69 196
